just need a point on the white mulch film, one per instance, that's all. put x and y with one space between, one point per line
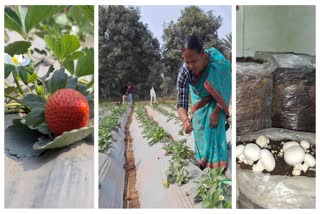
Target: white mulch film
111 169
62 178
151 164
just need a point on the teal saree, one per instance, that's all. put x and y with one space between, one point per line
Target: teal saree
211 88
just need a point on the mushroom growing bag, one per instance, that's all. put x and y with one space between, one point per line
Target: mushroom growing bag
293 105
275 191
254 95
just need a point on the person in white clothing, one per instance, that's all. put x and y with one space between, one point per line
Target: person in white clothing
153 96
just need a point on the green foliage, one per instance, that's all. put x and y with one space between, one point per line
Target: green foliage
18 47
107 125
170 115
31 99
38 13
177 173
152 132
23 21
127 52
85 65
213 189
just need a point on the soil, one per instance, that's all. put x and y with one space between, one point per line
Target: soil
130 195
282 168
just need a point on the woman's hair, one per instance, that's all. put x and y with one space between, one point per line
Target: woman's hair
193 42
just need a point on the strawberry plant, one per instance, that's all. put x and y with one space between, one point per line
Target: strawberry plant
213 189
69 68
107 125
152 132
170 115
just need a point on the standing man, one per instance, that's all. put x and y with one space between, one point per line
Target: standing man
130 92
153 96
123 93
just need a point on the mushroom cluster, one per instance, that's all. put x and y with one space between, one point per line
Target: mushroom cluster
297 155
252 152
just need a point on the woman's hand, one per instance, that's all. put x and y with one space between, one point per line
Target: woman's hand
187 126
214 117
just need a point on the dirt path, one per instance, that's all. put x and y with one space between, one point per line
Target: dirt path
131 196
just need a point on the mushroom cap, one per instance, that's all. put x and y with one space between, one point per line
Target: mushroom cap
239 150
305 144
294 155
258 167
262 141
252 151
310 160
267 160
287 145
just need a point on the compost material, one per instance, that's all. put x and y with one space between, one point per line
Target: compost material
294 93
254 95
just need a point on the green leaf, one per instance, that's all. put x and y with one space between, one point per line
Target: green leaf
33 101
26 73
38 13
206 204
63 140
89 12
22 71
64 46
32 77
85 65
18 47
58 80
72 83
9 90
74 56
69 65
12 20
35 117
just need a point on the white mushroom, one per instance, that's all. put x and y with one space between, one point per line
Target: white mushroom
239 150
262 141
305 144
267 160
258 167
289 144
251 151
310 160
241 157
294 155
296 172
249 162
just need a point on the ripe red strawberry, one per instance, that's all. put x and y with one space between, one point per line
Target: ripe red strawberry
66 109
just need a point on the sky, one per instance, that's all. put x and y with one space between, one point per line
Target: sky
156 16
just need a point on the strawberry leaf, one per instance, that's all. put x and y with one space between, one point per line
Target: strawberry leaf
58 80
35 117
66 139
33 101
18 47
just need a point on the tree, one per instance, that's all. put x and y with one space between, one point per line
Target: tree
227 46
127 52
192 21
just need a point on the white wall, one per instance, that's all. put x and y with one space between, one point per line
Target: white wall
275 28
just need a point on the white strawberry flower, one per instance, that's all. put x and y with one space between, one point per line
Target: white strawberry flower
17 60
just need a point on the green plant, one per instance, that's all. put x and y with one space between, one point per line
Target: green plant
152 132
213 189
107 125
177 172
29 92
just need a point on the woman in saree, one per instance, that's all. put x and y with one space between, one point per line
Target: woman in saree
206 74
